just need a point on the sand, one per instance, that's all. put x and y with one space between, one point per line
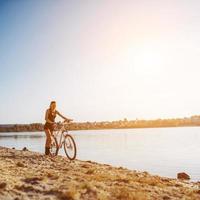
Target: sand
30 175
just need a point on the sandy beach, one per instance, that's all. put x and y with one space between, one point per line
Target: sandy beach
30 175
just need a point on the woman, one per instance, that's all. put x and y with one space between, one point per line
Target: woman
50 124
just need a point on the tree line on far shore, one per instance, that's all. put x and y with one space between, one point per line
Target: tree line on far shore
178 122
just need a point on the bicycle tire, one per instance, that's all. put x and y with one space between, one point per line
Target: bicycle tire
54 146
69 139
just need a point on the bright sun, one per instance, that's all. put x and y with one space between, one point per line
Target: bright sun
146 59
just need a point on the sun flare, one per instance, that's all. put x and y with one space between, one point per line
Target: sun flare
145 59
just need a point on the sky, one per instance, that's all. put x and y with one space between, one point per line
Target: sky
99 60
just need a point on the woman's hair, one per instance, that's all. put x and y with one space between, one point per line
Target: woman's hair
52 102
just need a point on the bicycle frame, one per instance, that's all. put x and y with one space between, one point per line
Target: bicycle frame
60 138
61 132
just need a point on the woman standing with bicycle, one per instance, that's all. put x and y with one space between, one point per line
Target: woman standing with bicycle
49 126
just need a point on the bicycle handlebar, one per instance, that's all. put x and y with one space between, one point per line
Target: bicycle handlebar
63 122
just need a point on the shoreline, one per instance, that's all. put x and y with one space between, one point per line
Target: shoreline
117 124
3 130
31 175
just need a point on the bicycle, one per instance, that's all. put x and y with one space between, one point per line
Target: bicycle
65 140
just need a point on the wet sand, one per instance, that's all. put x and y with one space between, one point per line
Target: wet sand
29 175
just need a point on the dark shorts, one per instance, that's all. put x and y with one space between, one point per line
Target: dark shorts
48 126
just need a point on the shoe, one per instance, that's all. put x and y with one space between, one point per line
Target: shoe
47 150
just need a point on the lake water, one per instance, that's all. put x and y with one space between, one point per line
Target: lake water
160 151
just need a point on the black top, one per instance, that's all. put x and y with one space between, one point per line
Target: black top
51 115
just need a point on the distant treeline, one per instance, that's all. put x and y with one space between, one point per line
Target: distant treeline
191 121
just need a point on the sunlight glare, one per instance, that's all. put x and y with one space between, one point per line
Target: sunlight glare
146 60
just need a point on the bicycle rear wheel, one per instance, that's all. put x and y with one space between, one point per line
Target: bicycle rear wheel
70 147
54 146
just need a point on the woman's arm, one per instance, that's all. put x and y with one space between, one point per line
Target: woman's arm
63 116
46 117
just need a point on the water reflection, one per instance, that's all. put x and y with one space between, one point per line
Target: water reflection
20 136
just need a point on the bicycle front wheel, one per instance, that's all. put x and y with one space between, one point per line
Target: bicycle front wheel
70 147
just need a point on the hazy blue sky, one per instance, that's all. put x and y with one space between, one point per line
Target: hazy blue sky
99 59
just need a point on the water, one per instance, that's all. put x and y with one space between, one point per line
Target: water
160 151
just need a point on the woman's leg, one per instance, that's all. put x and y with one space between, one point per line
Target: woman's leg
48 141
